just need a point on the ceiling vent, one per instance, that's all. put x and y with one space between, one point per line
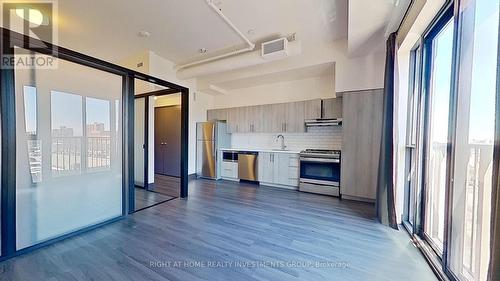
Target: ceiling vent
275 49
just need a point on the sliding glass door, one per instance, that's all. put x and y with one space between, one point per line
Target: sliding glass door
440 50
456 137
68 150
474 138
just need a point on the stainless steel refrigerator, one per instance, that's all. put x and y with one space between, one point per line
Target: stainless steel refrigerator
211 136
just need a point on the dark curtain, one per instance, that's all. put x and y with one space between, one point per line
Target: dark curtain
386 209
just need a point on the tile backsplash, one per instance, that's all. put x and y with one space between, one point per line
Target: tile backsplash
316 137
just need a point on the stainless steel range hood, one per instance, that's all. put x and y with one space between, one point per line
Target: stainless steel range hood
323 122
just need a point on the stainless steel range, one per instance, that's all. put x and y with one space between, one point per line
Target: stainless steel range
320 171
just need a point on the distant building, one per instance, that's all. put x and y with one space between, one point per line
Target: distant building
96 130
63 131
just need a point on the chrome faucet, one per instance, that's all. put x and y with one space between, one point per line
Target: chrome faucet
283 146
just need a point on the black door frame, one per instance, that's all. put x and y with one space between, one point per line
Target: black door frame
10 40
146 96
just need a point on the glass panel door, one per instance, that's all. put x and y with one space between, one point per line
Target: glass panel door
65 180
412 163
441 48
474 138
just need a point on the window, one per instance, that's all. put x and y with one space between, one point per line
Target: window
412 163
34 143
474 137
98 133
67 133
456 134
438 96
65 110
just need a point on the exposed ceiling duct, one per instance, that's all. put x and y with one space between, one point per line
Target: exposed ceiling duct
250 46
234 62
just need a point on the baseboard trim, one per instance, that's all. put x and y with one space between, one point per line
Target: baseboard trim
355 198
230 179
191 176
289 187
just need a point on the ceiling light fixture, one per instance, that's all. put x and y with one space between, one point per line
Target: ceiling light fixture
34 15
144 34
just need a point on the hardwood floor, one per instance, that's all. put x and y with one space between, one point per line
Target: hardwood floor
167 185
255 233
144 198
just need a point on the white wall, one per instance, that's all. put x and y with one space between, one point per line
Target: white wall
360 73
199 102
357 73
290 91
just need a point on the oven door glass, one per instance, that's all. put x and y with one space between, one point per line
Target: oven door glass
324 171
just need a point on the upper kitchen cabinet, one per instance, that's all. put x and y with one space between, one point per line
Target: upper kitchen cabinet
274 118
217 114
234 119
294 120
332 108
312 109
247 119
254 117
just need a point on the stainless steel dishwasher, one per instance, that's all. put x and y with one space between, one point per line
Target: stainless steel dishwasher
247 166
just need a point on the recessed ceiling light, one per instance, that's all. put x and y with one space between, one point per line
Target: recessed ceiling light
202 50
144 34
34 16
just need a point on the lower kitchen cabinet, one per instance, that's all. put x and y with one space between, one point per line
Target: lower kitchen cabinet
279 169
266 167
229 170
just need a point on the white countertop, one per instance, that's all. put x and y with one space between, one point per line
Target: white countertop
261 150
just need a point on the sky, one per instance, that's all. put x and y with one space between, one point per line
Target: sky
66 110
483 80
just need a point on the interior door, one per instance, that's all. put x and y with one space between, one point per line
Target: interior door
168 140
139 141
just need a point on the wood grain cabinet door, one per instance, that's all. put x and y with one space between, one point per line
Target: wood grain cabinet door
332 108
233 120
217 114
294 121
274 117
312 109
361 129
255 118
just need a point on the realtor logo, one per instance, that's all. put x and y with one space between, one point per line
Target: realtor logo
34 20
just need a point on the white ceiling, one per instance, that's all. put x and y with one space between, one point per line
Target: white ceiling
179 28
370 22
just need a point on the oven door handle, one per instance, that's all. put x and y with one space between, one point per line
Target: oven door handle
320 182
323 160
